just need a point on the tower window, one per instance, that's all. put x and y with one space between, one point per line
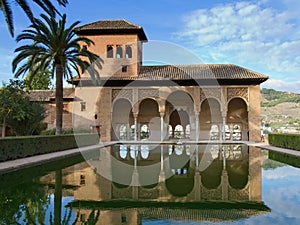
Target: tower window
128 52
119 52
124 69
109 51
82 179
83 106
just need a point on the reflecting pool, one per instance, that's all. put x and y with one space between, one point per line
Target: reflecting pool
156 184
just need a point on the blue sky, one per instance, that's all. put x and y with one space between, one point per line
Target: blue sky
262 35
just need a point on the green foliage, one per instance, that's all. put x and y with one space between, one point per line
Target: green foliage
47 6
289 141
32 122
50 43
16 110
41 81
20 147
276 97
284 158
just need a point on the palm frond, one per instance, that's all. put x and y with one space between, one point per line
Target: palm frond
8 14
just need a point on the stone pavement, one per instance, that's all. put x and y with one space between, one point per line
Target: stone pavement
23 163
265 146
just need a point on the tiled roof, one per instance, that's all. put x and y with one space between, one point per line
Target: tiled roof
111 26
207 73
198 71
48 95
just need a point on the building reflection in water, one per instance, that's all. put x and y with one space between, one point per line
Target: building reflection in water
207 175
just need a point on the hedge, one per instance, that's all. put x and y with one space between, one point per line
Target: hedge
20 147
289 141
285 158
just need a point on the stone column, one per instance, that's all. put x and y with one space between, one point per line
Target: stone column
135 177
162 175
224 116
135 126
197 126
224 179
161 126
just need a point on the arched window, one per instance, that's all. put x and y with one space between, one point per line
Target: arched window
188 131
214 132
133 151
179 133
145 133
237 133
109 51
179 149
132 132
119 52
128 52
227 132
123 132
123 151
145 151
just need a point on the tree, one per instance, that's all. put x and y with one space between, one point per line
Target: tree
12 103
41 81
46 5
16 110
55 45
32 121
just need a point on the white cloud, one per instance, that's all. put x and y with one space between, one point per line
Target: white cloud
282 85
253 34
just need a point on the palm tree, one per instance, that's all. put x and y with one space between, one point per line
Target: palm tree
55 46
46 5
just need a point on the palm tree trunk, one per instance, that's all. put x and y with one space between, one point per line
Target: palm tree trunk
59 98
4 127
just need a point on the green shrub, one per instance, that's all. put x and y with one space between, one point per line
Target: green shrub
67 131
290 141
20 147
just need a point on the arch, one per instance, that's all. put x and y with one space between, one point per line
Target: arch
149 115
210 114
144 132
237 115
121 172
122 118
123 131
128 52
180 99
238 173
211 176
179 120
119 53
109 51
123 151
182 182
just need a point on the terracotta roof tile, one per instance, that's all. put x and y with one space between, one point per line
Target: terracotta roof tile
111 27
109 24
198 71
48 95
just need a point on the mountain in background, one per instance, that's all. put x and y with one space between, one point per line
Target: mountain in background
280 110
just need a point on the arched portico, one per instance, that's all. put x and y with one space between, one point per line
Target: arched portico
122 119
210 118
180 115
149 117
237 119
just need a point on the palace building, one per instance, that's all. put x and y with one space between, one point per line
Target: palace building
132 101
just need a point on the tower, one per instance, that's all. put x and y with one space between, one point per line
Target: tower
119 45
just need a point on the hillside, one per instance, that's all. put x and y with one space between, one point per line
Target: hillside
280 110
272 97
